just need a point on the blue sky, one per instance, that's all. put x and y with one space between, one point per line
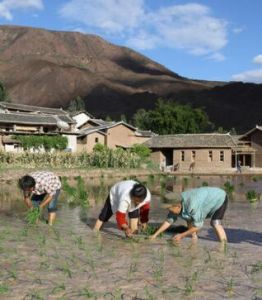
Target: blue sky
201 39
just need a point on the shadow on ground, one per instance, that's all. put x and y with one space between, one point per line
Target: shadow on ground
237 236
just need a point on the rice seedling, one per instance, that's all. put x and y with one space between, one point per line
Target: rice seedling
188 290
132 269
251 196
33 216
158 266
77 195
79 242
190 282
148 295
204 183
12 274
149 230
44 265
41 239
59 288
230 284
34 295
209 258
24 231
185 181
66 270
3 289
257 267
229 188
87 293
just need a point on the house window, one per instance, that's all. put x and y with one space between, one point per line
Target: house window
210 155
96 140
182 155
193 154
221 156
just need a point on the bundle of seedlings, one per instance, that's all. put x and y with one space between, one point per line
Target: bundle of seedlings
33 215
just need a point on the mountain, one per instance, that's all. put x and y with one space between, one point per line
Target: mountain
51 68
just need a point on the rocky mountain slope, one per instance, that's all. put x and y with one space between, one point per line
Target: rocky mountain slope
50 68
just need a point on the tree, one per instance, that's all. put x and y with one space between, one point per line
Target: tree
76 104
172 118
123 118
3 92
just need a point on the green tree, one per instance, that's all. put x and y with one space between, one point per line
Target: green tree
76 104
172 118
141 150
3 92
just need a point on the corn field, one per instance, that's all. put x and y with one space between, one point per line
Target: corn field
107 158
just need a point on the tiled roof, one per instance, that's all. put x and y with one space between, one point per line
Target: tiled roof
103 125
37 110
251 131
27 118
101 122
88 131
145 133
191 141
31 108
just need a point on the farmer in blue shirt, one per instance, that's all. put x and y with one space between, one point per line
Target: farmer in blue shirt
195 206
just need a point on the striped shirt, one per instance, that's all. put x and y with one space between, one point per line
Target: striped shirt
46 182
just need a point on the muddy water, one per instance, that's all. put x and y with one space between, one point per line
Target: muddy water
69 261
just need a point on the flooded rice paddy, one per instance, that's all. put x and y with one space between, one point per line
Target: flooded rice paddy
69 261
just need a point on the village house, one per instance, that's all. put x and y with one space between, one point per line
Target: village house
20 119
199 151
110 134
252 140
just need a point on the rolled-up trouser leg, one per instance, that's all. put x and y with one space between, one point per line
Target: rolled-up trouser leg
216 221
219 214
134 218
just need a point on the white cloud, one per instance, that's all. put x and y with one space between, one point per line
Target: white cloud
7 6
113 16
190 27
216 57
249 76
257 59
237 30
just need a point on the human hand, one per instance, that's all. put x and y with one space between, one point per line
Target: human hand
128 232
177 238
152 237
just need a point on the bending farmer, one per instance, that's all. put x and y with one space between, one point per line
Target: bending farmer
41 189
195 206
126 197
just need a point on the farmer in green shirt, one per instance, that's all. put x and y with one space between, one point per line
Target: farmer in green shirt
195 206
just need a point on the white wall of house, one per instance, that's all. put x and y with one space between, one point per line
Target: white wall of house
71 142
